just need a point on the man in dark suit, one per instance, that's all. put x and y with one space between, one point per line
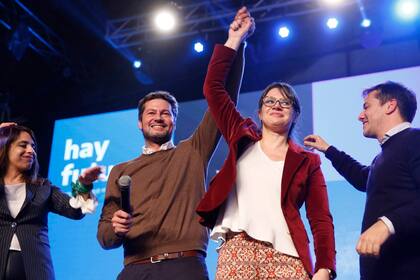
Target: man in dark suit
389 245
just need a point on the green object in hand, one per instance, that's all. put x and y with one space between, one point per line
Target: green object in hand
79 188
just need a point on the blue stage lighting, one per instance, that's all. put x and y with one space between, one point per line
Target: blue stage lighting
332 23
365 23
137 64
198 47
284 32
407 9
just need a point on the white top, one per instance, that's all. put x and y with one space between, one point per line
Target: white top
254 205
15 196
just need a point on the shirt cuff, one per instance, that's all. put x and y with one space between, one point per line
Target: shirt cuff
87 206
388 224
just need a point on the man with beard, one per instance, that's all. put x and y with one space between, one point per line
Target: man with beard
162 238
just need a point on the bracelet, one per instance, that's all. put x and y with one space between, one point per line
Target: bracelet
79 188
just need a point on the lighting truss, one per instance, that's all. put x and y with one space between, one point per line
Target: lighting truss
43 40
205 17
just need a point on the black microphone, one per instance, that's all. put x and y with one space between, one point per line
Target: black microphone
125 182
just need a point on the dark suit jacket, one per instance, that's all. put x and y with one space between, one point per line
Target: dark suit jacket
302 177
31 227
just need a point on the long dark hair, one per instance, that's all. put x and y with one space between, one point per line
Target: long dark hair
8 135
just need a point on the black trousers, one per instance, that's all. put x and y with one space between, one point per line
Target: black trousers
14 267
187 268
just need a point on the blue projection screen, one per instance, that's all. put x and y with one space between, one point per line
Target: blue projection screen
330 108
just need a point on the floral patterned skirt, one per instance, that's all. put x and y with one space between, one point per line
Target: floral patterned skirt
242 257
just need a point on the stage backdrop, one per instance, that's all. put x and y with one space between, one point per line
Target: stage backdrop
330 108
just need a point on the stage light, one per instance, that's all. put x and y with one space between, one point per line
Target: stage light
198 47
137 64
365 23
284 32
407 9
332 23
165 20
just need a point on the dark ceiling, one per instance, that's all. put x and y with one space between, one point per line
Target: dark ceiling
90 76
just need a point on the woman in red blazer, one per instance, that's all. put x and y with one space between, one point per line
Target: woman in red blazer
253 203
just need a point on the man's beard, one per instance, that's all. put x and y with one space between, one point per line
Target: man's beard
159 138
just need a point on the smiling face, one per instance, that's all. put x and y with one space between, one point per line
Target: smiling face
157 122
276 118
372 116
21 154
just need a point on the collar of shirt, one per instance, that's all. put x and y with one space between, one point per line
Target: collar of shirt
165 146
395 130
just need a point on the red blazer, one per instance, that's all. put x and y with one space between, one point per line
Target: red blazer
302 180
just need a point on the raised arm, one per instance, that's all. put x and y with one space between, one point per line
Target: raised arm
207 135
220 103
6 124
234 79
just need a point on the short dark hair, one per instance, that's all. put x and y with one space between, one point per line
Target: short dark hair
159 95
290 94
406 99
8 135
